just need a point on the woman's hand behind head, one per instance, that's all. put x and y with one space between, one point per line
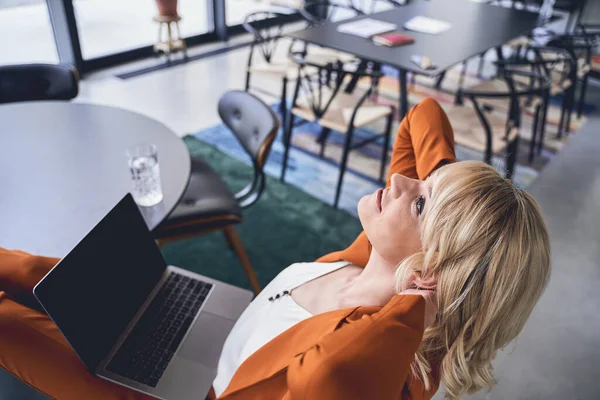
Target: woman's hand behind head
431 307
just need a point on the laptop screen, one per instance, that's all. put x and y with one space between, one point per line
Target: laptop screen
95 291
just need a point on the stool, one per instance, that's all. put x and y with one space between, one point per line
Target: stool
171 44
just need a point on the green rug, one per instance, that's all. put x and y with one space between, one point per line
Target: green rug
285 226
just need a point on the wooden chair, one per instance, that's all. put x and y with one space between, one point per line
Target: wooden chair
557 65
263 59
581 45
373 6
320 97
497 135
32 82
268 60
207 204
319 12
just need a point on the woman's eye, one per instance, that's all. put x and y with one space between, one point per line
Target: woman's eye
420 205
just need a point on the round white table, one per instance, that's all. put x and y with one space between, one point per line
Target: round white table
63 166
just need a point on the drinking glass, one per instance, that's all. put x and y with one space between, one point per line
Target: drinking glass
145 174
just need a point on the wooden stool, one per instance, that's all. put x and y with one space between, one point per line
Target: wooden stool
171 44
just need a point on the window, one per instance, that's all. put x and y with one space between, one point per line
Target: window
26 32
113 26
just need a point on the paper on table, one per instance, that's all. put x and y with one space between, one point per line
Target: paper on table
427 25
366 27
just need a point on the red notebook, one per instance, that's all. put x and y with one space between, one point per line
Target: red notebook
392 39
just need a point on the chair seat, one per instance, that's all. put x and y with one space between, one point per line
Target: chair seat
289 69
323 56
339 113
276 69
498 85
583 68
206 203
469 132
522 41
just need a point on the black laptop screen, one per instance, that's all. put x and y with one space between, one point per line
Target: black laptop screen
95 291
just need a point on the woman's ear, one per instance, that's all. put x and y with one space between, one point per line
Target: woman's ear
428 282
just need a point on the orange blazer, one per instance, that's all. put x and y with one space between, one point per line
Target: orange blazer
354 353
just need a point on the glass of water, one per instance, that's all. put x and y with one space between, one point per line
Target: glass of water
143 164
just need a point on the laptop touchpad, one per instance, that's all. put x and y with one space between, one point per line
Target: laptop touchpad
206 338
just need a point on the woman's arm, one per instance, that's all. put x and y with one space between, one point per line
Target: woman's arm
366 358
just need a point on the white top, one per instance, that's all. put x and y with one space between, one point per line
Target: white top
263 320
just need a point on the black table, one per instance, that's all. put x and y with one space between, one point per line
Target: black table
63 166
475 28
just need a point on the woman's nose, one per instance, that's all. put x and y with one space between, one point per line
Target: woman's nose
401 184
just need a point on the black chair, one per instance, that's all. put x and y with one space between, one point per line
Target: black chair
263 60
207 204
581 45
555 64
318 12
321 97
372 6
561 67
32 82
502 134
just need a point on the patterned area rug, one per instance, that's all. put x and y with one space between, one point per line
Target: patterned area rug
318 176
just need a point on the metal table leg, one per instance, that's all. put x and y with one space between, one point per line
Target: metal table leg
403 93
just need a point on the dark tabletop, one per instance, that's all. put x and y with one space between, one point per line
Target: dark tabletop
63 166
475 29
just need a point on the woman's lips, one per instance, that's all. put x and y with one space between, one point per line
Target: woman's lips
379 196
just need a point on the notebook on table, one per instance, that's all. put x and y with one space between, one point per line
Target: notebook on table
392 39
427 25
366 27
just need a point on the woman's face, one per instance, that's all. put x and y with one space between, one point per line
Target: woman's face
392 217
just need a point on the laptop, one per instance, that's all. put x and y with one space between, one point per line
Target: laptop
132 319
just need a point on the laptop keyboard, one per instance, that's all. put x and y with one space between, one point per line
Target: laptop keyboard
145 354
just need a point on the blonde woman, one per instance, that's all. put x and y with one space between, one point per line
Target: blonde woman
450 264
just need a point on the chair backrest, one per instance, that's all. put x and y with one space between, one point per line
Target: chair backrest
318 85
33 82
373 6
255 125
319 12
266 34
538 86
557 63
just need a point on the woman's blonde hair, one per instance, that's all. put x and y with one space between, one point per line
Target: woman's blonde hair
487 244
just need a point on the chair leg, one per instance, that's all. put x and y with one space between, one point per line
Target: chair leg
247 86
544 122
570 105
283 104
534 133
228 240
583 89
461 82
480 66
440 80
386 145
287 143
322 139
511 158
343 164
239 250
563 112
